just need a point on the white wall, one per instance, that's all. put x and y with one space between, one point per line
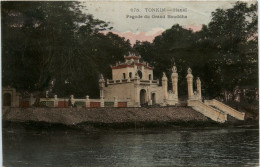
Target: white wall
121 91
117 74
127 90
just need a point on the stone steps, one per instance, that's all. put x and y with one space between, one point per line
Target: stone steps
208 111
226 109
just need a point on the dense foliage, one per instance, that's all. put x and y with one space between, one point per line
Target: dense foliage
224 53
54 45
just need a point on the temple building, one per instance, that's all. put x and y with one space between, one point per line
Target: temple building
132 84
133 80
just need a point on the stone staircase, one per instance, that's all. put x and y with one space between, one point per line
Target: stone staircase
215 110
225 108
208 111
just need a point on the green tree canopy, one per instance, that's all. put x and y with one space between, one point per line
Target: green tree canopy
223 53
55 44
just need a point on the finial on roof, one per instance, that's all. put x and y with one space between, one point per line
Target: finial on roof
164 75
189 70
101 78
174 68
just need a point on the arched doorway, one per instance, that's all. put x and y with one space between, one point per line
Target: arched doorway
153 98
142 97
7 99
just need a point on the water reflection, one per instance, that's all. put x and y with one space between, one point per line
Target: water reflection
222 147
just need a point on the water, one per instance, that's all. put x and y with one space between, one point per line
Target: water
161 147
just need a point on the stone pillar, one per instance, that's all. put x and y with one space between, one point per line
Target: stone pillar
87 101
72 99
115 102
199 87
55 101
175 80
190 84
128 102
101 86
137 96
102 102
137 90
165 86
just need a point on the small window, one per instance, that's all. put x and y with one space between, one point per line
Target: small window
150 77
124 75
140 74
130 74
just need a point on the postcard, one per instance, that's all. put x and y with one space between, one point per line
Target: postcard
130 83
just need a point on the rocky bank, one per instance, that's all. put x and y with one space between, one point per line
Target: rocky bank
129 117
72 116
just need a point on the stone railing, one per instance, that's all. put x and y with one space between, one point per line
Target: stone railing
154 82
208 111
225 108
110 82
90 103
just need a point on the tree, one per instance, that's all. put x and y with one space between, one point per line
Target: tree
54 42
223 53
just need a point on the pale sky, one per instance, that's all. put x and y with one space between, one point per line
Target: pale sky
115 12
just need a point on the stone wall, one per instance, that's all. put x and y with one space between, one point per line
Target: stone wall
121 91
72 116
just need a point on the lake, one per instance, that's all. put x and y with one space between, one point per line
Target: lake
142 147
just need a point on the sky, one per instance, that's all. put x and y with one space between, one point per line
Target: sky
120 13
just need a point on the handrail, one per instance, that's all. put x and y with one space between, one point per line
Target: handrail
206 106
229 110
208 111
227 106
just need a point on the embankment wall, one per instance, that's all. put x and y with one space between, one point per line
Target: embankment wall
72 116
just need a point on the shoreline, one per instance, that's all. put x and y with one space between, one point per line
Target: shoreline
112 118
96 126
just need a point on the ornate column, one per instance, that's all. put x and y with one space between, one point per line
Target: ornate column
175 80
190 84
101 86
165 86
199 87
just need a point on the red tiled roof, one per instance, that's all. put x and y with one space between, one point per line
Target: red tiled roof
140 64
150 68
122 66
